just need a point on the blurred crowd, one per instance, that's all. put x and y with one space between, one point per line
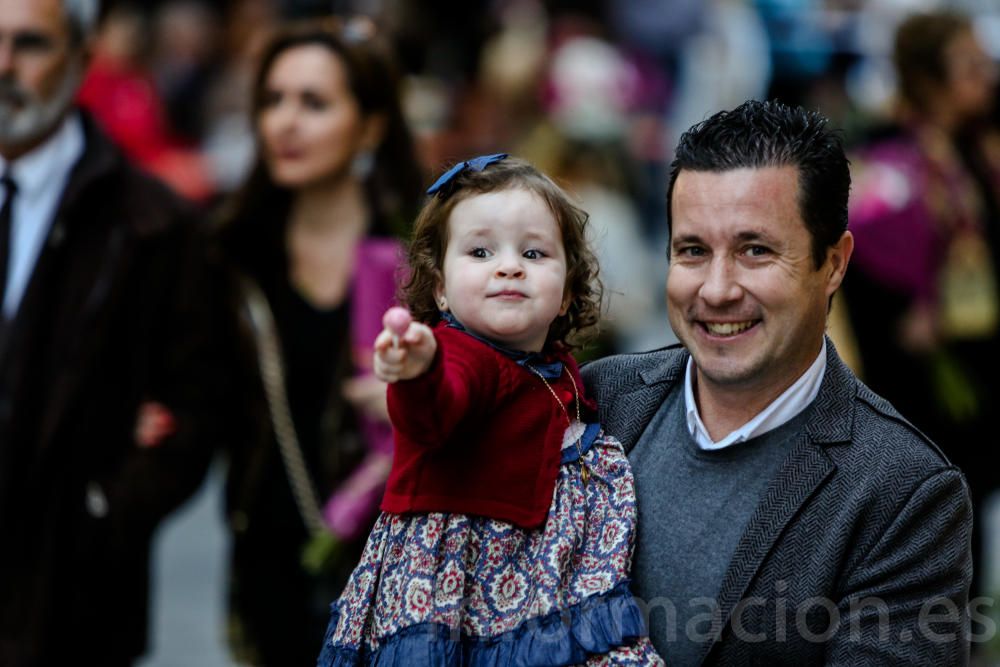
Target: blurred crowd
202 93
594 92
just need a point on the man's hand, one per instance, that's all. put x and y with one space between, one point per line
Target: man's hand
404 349
154 423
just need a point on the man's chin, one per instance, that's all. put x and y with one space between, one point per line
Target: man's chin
25 127
728 371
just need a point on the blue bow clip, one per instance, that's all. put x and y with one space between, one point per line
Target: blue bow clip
475 164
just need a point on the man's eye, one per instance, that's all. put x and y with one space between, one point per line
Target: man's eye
758 251
479 253
690 251
32 42
533 254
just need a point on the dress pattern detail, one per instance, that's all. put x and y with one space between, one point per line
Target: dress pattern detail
454 589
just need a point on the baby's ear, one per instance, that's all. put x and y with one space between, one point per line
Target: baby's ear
566 303
439 298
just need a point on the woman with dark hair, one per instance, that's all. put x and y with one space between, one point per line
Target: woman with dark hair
311 239
925 212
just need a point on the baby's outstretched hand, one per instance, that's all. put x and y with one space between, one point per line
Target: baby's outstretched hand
404 349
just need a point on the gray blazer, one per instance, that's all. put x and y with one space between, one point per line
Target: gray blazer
865 523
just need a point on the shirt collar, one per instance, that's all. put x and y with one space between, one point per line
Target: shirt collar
47 163
550 370
791 402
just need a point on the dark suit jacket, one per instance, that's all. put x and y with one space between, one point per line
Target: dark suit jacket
864 522
118 310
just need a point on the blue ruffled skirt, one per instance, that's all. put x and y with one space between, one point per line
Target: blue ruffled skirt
453 589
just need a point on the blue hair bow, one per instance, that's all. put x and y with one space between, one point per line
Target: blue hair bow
475 164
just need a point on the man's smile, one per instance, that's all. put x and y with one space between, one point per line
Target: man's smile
726 329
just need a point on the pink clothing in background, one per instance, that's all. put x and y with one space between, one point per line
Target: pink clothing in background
377 270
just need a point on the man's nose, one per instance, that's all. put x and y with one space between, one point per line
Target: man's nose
721 284
6 56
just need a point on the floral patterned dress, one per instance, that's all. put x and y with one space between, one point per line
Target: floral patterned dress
454 589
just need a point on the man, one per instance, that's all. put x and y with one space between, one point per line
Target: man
99 316
787 515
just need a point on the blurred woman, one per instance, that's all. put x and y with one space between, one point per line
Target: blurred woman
925 213
311 239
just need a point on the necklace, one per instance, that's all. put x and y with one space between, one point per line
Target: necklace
584 472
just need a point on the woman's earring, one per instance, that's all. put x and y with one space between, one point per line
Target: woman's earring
363 164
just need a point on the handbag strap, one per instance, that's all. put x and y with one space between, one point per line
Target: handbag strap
272 372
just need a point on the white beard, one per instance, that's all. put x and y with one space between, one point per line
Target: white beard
24 118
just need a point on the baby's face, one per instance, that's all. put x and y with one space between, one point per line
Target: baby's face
505 268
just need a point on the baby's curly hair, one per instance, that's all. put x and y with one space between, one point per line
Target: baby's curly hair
430 240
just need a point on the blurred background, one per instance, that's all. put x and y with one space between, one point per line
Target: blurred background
593 92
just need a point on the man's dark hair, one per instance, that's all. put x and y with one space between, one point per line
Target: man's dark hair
770 134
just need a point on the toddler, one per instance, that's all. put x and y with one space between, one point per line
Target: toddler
509 516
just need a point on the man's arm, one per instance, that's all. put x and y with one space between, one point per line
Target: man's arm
907 599
190 374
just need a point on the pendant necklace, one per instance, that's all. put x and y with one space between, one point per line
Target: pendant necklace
584 471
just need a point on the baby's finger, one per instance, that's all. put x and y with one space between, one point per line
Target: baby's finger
383 341
387 372
394 355
416 334
392 366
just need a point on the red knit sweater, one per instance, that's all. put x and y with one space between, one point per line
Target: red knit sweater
478 434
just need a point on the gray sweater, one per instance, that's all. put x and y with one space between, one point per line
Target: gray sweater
693 506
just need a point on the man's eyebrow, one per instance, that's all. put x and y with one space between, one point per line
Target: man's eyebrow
754 235
29 37
747 236
685 238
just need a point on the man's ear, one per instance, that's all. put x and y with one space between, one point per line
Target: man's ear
838 256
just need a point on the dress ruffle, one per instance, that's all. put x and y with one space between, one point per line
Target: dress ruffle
595 626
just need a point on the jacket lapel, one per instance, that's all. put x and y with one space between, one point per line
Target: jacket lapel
799 477
86 277
84 332
633 408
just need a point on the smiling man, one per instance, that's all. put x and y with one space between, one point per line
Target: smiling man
787 515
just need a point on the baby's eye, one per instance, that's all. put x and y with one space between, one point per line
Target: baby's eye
479 253
533 253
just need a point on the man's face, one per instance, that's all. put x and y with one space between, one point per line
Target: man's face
743 292
40 68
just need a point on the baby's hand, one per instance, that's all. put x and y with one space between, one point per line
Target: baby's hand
404 349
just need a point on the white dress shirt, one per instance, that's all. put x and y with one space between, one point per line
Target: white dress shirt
41 177
792 401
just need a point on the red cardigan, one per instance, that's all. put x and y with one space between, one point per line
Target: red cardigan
478 434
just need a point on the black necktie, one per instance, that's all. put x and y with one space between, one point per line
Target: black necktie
6 213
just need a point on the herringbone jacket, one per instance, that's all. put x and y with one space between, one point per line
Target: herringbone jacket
858 553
